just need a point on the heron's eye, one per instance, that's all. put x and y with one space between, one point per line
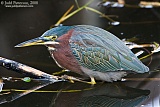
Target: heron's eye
54 37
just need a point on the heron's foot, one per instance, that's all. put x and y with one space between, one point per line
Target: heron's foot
69 78
72 79
60 72
93 82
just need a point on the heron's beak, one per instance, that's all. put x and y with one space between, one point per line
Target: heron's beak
37 41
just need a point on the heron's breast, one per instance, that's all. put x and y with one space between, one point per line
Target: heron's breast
63 54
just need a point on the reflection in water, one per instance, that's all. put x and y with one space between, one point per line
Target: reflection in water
12 94
115 94
102 95
104 101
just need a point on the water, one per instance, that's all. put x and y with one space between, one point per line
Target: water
21 24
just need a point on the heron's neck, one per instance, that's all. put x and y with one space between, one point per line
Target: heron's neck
62 54
63 42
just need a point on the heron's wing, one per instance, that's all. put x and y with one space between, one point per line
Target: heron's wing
99 50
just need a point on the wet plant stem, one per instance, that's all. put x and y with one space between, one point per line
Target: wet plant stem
65 16
98 12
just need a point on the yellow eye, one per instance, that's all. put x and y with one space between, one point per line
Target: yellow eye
54 37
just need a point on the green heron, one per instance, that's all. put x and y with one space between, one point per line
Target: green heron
89 51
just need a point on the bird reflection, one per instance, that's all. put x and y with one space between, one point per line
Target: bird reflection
103 95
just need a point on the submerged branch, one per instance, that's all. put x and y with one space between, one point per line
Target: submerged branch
44 79
21 68
24 69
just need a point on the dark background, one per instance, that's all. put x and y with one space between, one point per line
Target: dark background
21 24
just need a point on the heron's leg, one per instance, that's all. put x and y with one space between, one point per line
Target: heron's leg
60 72
92 81
72 79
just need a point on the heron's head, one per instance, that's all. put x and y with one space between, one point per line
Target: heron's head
50 37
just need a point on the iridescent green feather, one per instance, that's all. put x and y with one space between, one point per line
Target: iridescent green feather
99 50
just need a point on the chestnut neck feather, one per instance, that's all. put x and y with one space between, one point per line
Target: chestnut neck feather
63 54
